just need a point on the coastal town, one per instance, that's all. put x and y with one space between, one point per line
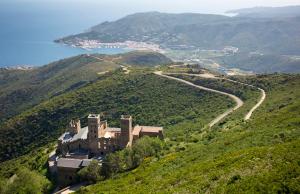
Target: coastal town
131 45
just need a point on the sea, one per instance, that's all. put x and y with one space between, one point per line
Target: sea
27 32
29 27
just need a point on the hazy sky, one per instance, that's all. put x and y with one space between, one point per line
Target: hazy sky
95 11
129 6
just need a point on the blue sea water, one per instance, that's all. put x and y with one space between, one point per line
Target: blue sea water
27 31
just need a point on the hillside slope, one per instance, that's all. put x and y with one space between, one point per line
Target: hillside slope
150 99
259 156
177 31
22 89
265 12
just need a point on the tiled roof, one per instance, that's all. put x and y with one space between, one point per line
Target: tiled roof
151 129
69 163
136 130
72 162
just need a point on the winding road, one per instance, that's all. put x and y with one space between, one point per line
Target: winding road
238 101
261 100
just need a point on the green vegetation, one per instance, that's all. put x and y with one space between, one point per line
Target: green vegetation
36 161
22 89
249 95
25 181
204 31
258 156
121 161
150 99
261 63
144 58
131 158
90 173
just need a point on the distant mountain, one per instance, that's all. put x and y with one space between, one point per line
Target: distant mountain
261 63
268 12
21 89
203 31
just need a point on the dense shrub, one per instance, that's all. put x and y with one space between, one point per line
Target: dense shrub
25 181
130 158
91 173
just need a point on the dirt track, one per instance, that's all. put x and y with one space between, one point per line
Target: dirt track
238 101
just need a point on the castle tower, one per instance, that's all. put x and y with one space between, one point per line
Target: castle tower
93 132
126 130
74 126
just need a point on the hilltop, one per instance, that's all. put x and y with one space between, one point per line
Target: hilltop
259 40
268 12
201 31
22 89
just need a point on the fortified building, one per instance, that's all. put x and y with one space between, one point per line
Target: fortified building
77 145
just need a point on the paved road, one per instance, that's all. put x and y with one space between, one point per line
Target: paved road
238 101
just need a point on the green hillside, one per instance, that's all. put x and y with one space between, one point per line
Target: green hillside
200 31
150 99
262 63
22 89
259 156
249 95
144 59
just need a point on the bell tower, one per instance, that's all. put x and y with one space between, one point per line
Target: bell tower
74 126
126 130
93 131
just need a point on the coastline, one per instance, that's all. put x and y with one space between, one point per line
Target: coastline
89 45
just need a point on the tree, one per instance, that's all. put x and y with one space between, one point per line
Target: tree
130 158
91 173
26 181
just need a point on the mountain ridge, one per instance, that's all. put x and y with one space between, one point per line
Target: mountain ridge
203 31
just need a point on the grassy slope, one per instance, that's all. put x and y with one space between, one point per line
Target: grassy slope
20 90
266 63
261 155
150 99
249 95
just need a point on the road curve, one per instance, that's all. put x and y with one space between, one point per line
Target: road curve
238 101
211 76
261 100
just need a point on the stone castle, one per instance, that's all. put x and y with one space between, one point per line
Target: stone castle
99 139
78 145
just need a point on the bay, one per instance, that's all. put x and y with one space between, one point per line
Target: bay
27 32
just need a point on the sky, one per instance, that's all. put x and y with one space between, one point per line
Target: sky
123 7
86 13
